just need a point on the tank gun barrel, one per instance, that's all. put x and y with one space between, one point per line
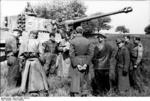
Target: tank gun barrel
124 10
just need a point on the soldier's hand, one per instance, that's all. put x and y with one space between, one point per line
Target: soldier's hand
64 49
11 60
21 58
80 67
84 66
135 66
21 62
112 74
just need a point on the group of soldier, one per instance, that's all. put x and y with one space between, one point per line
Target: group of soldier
92 68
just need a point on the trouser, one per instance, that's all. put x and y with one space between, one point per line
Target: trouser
33 77
80 82
50 63
138 79
123 80
101 83
131 79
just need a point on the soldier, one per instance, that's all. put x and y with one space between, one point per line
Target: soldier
64 59
130 46
128 43
80 55
12 49
122 64
58 37
104 70
49 54
34 79
136 59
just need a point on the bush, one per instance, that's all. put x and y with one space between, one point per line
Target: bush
147 30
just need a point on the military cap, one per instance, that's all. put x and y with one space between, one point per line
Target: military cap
138 38
52 34
59 19
118 41
34 32
79 29
128 36
101 35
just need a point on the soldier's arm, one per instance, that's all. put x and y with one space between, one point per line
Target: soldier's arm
11 45
71 50
91 51
22 48
95 53
14 47
60 46
112 58
140 55
112 61
67 46
126 57
41 48
6 46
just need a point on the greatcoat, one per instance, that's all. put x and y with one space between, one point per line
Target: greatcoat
80 54
33 74
123 63
104 67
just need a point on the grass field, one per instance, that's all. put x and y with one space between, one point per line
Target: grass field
60 87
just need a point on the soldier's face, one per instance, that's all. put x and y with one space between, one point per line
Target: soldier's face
34 36
136 41
100 39
17 33
52 38
126 39
120 44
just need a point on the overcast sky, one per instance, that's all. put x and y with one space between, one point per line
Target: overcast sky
135 21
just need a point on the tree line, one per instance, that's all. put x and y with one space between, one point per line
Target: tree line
75 9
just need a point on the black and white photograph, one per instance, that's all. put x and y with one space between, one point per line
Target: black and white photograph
74 48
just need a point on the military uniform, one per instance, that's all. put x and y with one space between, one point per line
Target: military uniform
130 46
136 59
137 54
103 61
49 56
11 49
80 54
123 62
63 59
